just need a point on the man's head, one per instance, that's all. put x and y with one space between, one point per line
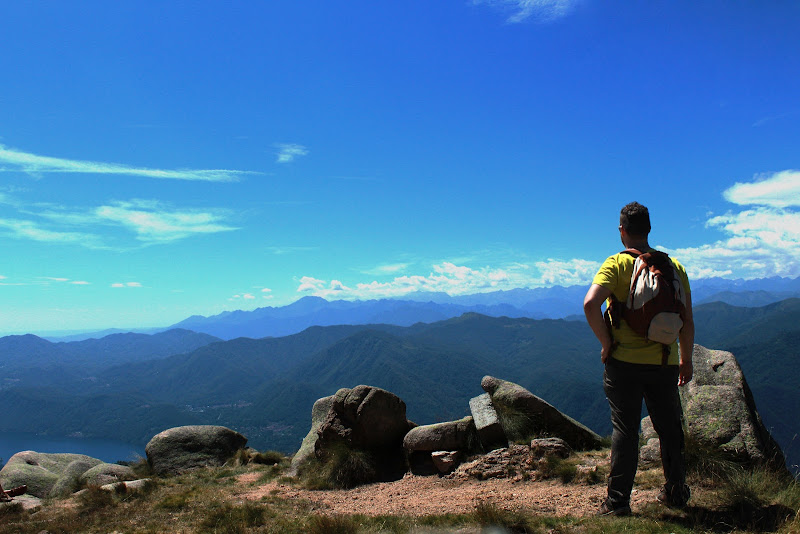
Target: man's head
635 220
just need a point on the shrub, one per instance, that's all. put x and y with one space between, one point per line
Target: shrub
341 468
488 514
332 524
93 498
233 519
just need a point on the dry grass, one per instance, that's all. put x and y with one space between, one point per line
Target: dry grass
211 500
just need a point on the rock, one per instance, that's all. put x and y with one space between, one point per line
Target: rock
29 503
103 474
487 423
184 448
524 415
550 447
70 480
512 462
131 486
450 436
650 452
366 420
446 461
720 414
41 471
318 414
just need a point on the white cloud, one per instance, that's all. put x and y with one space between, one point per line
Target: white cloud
117 284
248 296
541 10
127 284
80 283
386 269
779 190
23 229
280 251
455 279
288 152
36 165
266 290
759 242
153 223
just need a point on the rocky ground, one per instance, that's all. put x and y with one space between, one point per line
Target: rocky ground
432 495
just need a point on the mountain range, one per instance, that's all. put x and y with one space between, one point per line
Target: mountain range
126 386
539 303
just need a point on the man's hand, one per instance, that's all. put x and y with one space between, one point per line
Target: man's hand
685 371
592 307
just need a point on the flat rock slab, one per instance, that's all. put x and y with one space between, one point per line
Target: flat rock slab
487 423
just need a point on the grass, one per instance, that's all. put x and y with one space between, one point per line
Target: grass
343 468
211 500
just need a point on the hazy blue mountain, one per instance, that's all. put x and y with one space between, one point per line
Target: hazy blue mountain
265 387
32 361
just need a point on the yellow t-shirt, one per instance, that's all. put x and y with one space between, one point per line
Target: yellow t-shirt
615 274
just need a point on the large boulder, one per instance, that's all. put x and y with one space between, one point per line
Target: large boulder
720 413
363 419
449 436
103 474
45 473
420 442
183 448
319 412
523 415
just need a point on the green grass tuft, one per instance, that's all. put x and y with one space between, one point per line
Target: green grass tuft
232 519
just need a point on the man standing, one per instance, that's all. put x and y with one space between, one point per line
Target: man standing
638 369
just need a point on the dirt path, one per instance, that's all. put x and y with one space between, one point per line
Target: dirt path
417 496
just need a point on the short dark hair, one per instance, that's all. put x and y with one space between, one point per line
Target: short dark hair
635 219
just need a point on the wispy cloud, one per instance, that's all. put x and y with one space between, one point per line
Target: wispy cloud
153 222
37 165
540 10
288 152
150 221
392 268
280 251
761 241
458 280
126 284
25 229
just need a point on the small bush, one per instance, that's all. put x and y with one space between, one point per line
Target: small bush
269 458
332 524
233 519
342 468
555 466
488 514
93 498
176 501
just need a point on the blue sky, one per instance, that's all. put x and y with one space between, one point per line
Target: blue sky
165 159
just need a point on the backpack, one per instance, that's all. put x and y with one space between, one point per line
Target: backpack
656 301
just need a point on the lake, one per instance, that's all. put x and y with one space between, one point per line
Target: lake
103 449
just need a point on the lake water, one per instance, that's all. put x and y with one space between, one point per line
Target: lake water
103 449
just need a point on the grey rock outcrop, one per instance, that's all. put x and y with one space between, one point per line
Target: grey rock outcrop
524 415
365 419
183 448
550 447
318 414
44 473
487 423
448 436
511 462
422 441
720 413
446 461
103 474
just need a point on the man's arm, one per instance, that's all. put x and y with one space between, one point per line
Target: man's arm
686 338
593 309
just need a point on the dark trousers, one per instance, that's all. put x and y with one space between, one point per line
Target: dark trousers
626 385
